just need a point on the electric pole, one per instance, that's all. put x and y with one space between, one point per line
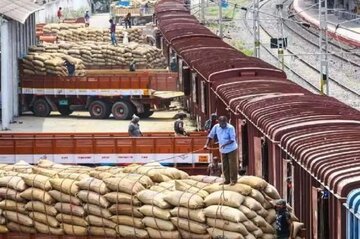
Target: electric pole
323 47
221 33
256 29
281 40
202 11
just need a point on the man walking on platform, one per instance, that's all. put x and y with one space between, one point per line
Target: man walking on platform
225 134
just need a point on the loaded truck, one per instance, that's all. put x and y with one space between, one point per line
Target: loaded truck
100 92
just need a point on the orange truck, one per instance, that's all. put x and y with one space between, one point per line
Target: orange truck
101 93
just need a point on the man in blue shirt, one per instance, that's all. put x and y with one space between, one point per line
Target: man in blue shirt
225 134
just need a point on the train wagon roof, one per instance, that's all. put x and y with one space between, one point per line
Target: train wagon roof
197 42
329 152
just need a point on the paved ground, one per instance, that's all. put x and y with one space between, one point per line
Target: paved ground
81 122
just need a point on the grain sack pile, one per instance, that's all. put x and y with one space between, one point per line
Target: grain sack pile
142 201
47 62
92 54
78 32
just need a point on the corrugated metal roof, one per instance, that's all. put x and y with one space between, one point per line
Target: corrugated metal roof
18 10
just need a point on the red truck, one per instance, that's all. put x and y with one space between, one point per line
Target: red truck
101 92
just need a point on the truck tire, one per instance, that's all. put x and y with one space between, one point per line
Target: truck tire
41 108
147 112
99 109
122 110
64 110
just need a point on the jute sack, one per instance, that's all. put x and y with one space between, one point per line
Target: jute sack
2 220
15 227
268 229
37 181
248 213
193 214
271 217
125 209
268 236
71 219
189 225
43 218
250 236
102 231
250 226
130 232
258 233
18 218
67 208
100 174
186 234
115 197
252 204
271 192
93 184
153 211
190 189
243 189
254 182
225 212
97 211
184 199
41 207
153 198
35 194
14 182
3 229
227 225
207 179
65 185
93 198
296 227
143 179
99 221
159 224
262 212
74 230
8 193
46 172
46 229
65 198
129 221
227 198
13 206
154 233
74 176
257 195
215 232
124 185
194 183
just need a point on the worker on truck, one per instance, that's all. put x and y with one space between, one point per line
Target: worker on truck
113 32
132 66
70 67
127 20
225 133
134 127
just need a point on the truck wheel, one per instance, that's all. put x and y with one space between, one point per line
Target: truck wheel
122 110
64 110
41 108
99 109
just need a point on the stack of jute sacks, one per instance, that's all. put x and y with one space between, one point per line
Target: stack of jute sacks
50 63
78 32
142 201
93 54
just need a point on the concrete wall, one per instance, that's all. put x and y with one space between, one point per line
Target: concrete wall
71 8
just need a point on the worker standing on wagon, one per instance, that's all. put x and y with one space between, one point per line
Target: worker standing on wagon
127 20
134 127
59 14
87 19
210 123
113 32
225 133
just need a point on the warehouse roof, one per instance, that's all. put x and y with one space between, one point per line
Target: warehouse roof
18 10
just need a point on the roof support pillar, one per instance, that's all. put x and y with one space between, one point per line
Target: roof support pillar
15 70
5 74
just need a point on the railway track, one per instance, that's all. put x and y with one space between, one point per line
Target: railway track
304 62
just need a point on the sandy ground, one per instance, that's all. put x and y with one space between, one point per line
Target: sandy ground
81 122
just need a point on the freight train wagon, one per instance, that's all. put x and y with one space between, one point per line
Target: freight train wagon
101 92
